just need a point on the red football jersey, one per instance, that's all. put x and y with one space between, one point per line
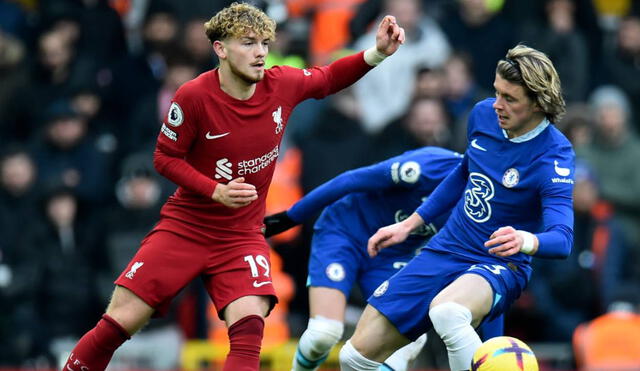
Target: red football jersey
210 137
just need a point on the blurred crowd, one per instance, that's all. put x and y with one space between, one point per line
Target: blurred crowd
85 85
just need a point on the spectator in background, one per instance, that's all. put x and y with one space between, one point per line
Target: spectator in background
483 33
89 105
66 152
13 18
94 26
577 125
611 342
56 72
573 291
329 28
559 37
460 95
19 268
425 124
430 83
146 118
336 142
140 74
18 177
281 52
65 242
197 46
614 156
13 74
622 62
385 94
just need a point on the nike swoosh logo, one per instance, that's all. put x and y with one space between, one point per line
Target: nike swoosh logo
209 136
474 144
258 284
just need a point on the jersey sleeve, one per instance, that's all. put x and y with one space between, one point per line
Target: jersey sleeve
318 82
447 194
176 137
364 179
556 193
429 164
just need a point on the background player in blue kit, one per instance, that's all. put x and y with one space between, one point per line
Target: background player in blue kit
516 179
359 202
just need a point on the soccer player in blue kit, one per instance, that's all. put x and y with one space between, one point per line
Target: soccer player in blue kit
357 203
512 199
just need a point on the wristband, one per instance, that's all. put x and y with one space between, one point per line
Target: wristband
373 57
527 242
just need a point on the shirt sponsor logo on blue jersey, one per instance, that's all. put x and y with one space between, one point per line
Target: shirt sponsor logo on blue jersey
562 171
477 196
562 180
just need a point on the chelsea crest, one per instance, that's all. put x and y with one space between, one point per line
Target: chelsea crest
510 178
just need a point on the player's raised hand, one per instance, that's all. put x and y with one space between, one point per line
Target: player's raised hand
389 36
277 223
506 241
235 194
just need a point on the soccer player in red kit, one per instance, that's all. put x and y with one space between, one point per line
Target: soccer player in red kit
219 143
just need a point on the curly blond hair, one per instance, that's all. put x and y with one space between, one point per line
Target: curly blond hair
237 20
534 71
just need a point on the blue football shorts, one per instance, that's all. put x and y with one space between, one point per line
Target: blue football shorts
338 261
405 297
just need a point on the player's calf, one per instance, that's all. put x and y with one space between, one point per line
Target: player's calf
95 349
316 343
245 338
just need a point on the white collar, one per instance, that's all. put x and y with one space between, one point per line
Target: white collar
529 135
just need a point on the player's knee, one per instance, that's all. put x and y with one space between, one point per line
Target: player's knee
449 319
320 336
129 310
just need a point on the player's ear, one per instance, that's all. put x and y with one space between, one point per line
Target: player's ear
220 49
537 108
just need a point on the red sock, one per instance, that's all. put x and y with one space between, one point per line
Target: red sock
95 349
245 337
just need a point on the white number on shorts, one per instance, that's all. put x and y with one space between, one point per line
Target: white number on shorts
261 261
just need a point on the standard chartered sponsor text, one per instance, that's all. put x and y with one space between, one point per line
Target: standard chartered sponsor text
254 165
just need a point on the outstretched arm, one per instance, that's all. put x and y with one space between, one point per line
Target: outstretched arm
346 71
364 179
442 199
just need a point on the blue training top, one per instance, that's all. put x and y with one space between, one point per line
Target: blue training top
368 198
524 182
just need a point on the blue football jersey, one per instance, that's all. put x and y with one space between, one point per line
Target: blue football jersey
524 182
396 187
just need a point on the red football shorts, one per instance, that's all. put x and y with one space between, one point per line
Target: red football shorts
231 264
